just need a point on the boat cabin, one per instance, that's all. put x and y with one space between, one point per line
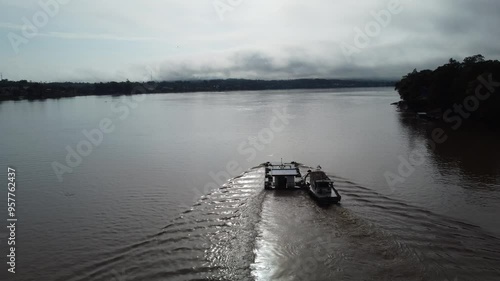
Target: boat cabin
323 186
281 176
320 182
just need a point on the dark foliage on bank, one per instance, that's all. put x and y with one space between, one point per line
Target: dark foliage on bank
16 90
466 88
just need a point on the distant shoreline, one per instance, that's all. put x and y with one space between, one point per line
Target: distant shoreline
24 90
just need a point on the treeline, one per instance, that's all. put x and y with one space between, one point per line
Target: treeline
455 85
15 90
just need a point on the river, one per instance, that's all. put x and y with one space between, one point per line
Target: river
169 187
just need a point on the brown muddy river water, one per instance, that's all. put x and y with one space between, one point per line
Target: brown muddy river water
169 187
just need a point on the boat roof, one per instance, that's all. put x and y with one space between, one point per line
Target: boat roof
319 176
283 172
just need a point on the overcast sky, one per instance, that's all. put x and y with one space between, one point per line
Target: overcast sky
95 40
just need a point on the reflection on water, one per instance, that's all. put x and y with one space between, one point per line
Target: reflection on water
371 237
472 151
242 232
465 169
213 240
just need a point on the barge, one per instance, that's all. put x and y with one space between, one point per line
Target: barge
287 176
283 176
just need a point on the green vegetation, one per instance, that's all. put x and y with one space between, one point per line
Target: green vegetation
470 85
17 90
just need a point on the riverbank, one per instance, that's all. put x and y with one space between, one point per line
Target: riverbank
454 92
24 90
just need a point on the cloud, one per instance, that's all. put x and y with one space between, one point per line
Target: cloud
8 25
253 64
81 36
94 36
257 39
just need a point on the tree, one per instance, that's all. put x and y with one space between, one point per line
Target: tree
449 84
474 59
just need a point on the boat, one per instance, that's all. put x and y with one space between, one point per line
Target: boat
284 176
287 176
320 187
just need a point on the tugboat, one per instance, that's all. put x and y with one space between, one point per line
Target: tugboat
320 187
